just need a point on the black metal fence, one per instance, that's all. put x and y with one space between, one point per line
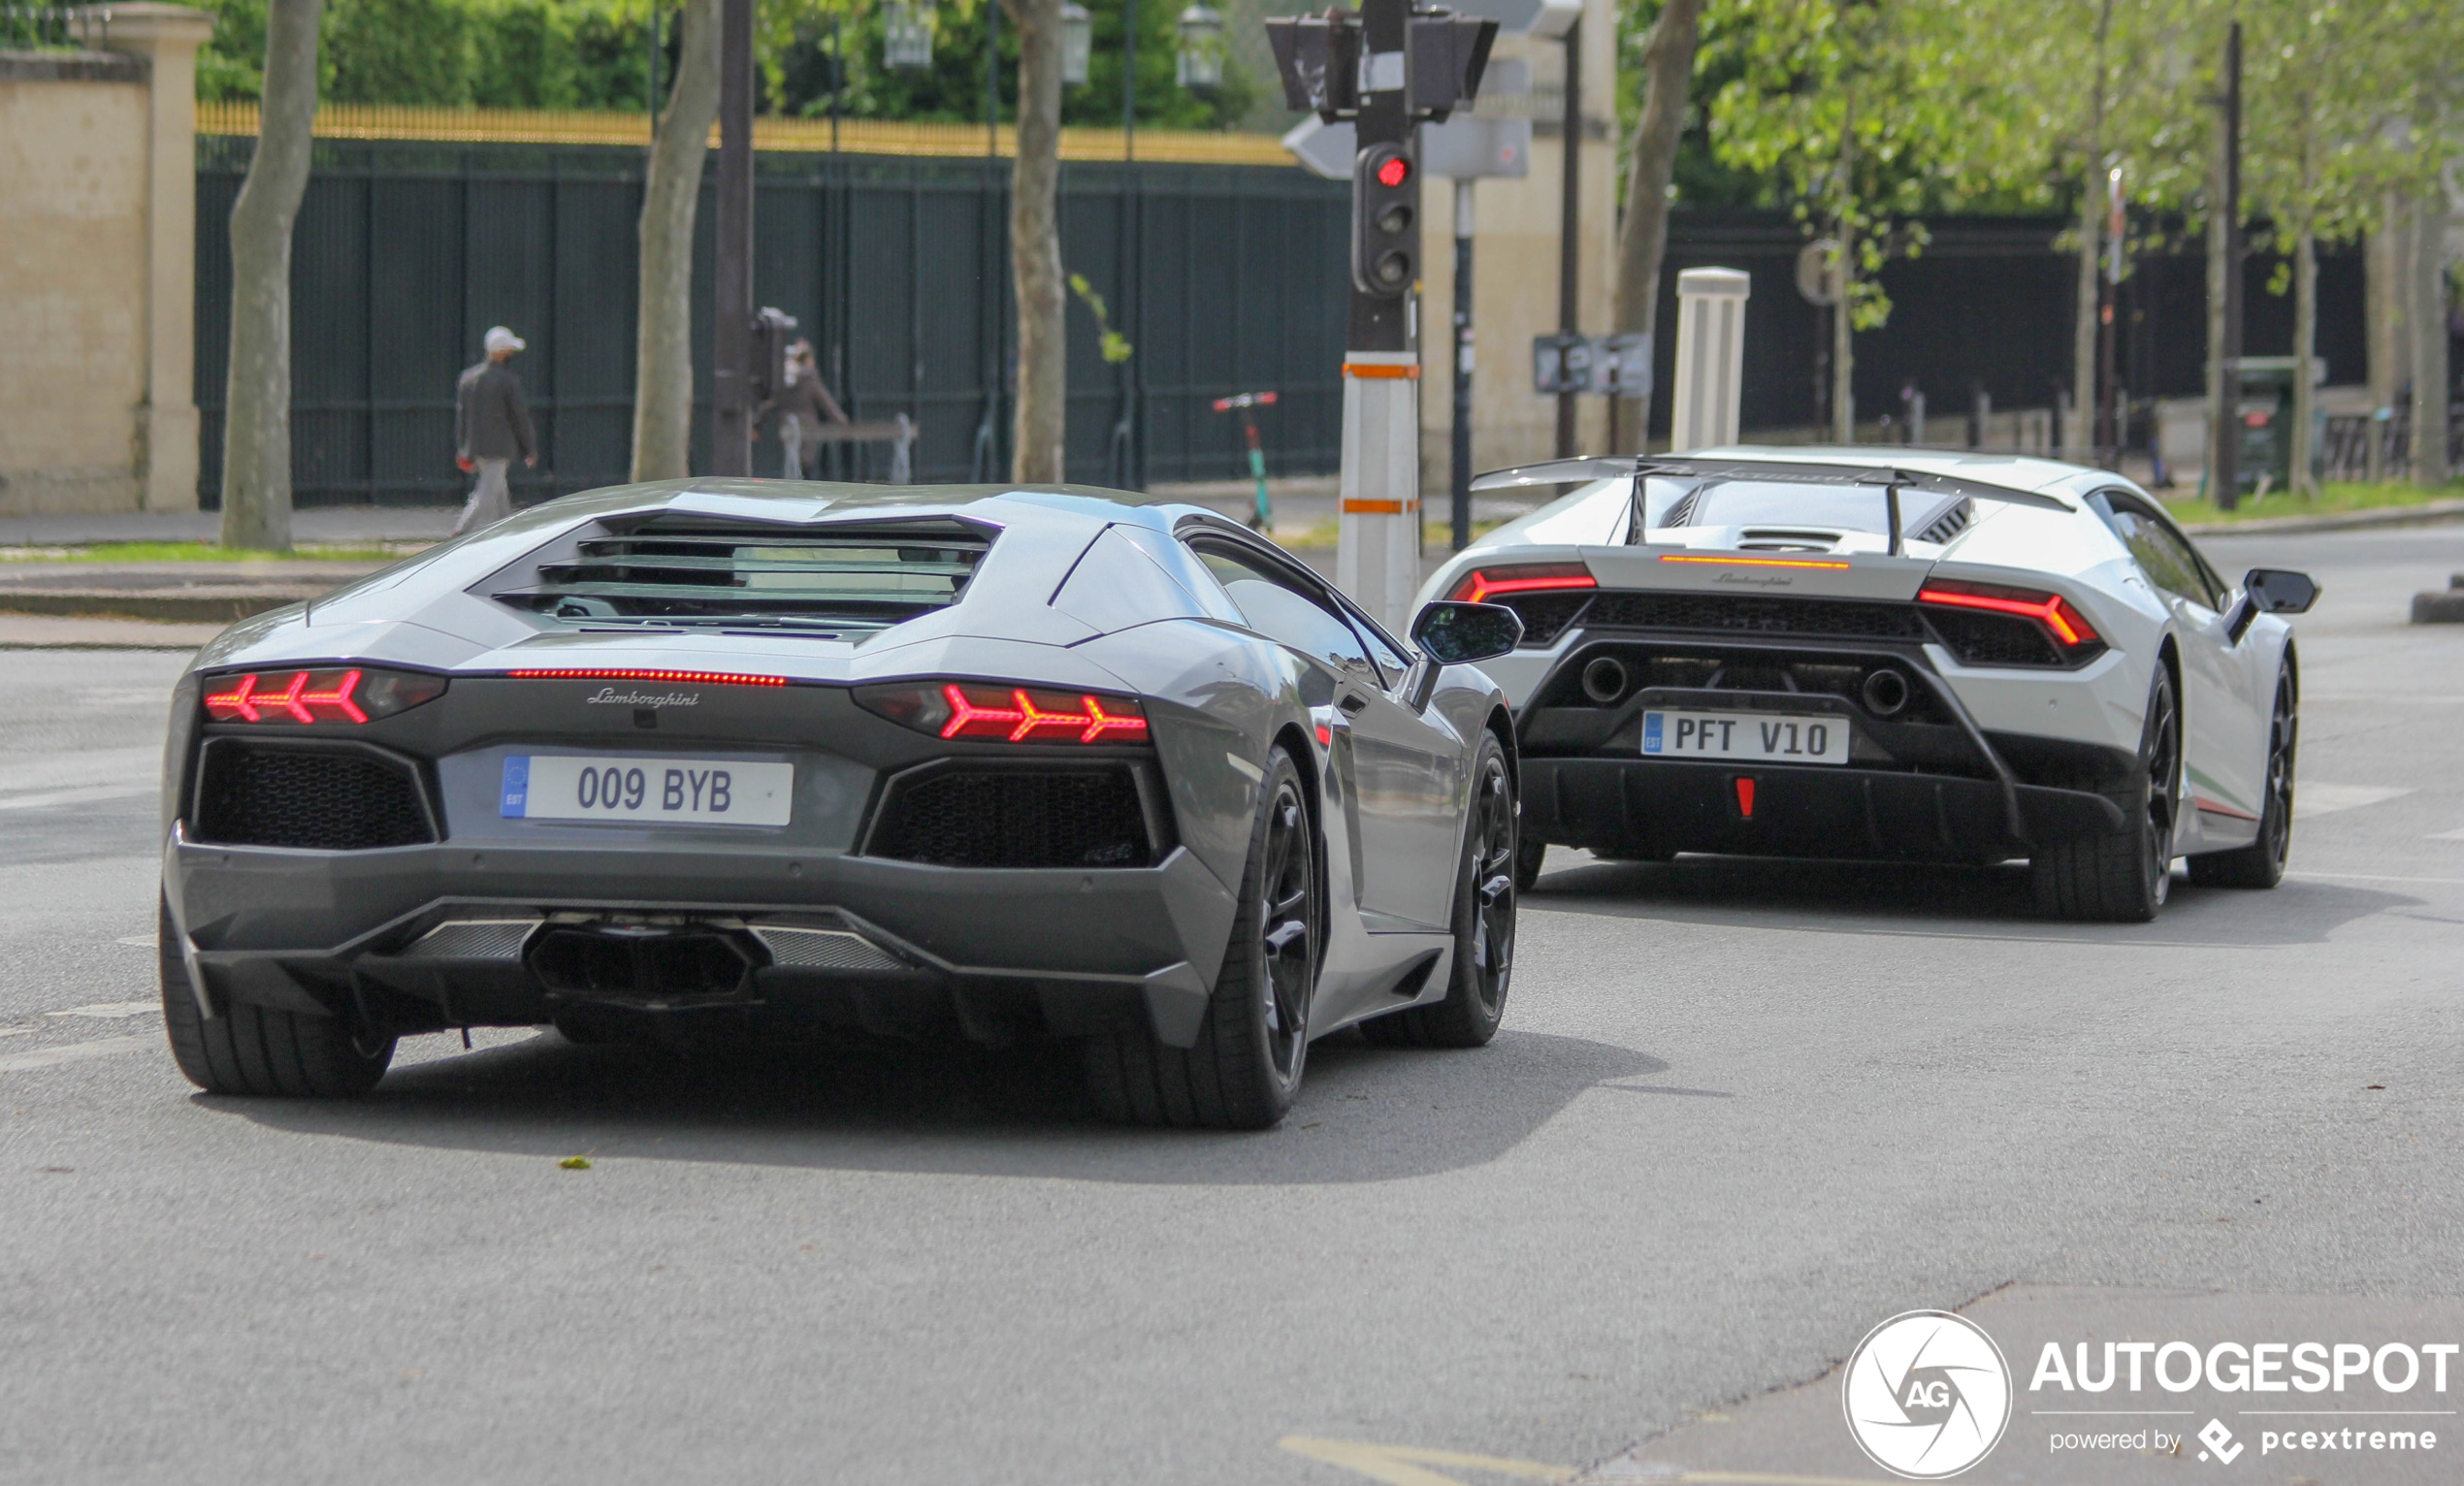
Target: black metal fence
1223 278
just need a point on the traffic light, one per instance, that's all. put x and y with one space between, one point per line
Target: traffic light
766 379
1385 214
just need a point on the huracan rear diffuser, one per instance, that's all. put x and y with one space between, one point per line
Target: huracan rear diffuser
2066 624
1010 714
1483 584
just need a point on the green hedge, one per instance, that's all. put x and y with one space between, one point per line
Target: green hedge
594 54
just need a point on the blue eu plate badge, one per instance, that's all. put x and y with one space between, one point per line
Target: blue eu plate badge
517 787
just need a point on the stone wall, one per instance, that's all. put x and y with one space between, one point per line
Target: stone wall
97 270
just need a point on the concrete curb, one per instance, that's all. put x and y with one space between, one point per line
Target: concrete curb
2428 514
190 607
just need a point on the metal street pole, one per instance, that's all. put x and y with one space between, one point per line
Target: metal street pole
1461 512
2109 412
2224 481
1570 230
732 338
1378 509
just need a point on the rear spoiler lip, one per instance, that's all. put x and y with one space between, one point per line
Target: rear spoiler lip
1568 471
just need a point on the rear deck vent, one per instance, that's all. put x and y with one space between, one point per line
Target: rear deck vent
1016 817
327 799
1719 612
702 572
1951 523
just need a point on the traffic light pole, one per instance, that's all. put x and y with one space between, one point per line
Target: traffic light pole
1461 451
1378 528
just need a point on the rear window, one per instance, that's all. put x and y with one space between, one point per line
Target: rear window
688 573
1782 505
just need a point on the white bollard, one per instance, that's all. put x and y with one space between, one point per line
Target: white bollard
1378 541
1710 358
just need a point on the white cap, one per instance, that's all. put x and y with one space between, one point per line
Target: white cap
498 338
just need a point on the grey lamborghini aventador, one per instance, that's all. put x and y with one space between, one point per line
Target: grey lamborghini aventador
758 757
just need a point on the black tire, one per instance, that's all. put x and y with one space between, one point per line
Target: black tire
2123 877
1483 926
2262 863
258 1050
1246 1066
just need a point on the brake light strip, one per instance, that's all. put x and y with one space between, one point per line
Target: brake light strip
1747 562
2052 613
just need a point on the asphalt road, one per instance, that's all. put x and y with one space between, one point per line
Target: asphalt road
1739 1114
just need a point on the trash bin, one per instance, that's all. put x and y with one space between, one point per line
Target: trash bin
2267 420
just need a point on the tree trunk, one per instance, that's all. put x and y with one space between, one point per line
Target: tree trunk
1843 325
1035 247
2083 332
1643 236
256 448
2430 369
672 194
2305 348
2388 266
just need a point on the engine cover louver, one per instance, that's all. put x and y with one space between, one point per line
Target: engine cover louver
699 571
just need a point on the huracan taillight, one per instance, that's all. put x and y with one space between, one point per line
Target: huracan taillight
1005 713
2066 624
326 695
1481 584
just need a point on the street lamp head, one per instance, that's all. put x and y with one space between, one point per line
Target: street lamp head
1078 43
1201 48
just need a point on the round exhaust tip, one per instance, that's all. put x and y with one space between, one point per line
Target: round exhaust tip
1886 693
1603 680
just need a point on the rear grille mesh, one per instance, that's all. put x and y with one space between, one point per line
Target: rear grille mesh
1996 640
1728 614
321 800
1545 616
1017 817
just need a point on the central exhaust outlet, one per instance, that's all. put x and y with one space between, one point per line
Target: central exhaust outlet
626 961
1604 681
1886 693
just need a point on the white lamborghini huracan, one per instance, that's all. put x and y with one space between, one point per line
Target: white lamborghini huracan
1892 654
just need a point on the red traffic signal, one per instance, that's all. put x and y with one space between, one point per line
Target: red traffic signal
1393 172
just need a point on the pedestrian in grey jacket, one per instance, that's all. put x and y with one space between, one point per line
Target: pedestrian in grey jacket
803 405
491 429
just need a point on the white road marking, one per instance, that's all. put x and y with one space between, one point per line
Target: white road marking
85 796
75 1052
2311 799
15 1031
112 1009
119 769
140 941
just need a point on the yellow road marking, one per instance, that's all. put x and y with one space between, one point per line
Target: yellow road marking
1400 1464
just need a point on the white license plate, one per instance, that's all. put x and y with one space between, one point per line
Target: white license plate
697 791
1771 738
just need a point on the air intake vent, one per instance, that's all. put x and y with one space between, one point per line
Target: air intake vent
1545 616
327 799
1016 817
1951 523
700 572
1996 640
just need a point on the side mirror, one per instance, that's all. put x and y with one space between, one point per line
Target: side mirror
1465 633
2275 591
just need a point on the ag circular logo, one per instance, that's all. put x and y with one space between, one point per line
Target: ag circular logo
1928 1395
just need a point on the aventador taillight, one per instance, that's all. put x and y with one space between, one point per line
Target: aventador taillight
1005 713
327 695
1483 584
2066 624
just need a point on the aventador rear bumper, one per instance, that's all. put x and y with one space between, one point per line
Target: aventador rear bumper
450 935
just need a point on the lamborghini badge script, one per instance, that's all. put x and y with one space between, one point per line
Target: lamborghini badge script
1928 1395
610 697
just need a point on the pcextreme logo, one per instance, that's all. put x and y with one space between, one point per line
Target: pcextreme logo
1927 1394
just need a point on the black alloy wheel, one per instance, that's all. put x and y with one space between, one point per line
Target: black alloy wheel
2123 877
2262 863
1485 903
1245 1066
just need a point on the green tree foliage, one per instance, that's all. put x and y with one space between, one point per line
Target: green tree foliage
951 90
